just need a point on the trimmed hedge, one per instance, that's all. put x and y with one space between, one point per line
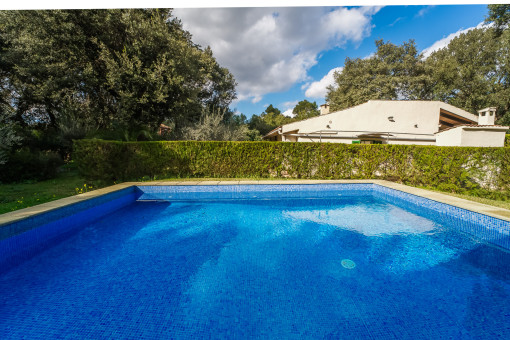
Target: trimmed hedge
446 168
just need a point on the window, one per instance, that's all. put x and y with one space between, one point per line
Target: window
371 142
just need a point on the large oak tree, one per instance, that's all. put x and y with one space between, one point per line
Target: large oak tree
393 72
107 68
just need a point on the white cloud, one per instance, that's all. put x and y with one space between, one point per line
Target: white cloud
305 85
317 89
394 22
290 104
288 107
424 11
445 41
288 113
270 49
369 56
256 99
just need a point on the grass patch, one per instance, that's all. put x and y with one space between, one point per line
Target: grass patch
495 203
14 196
475 197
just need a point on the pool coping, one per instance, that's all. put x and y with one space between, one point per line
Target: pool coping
18 215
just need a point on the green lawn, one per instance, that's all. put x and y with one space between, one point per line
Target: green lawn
500 204
21 195
16 196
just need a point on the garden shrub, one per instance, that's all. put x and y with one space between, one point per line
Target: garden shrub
25 164
450 168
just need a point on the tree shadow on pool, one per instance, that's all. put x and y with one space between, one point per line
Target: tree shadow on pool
487 310
484 259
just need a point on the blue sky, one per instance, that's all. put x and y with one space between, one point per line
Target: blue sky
280 56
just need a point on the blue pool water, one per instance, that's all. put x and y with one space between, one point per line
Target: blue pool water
350 267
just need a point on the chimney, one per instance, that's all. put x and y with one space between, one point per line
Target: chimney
487 116
324 109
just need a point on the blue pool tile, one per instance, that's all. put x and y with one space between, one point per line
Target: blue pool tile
30 236
213 262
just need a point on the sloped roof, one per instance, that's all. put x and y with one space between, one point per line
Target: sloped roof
440 105
272 132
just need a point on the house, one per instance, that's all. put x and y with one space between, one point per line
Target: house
396 122
163 129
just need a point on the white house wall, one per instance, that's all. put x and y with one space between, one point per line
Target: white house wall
471 136
451 137
409 117
350 140
476 137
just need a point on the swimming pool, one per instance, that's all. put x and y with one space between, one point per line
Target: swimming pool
267 261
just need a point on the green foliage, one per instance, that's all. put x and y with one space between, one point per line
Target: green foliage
32 157
24 164
473 71
499 15
253 135
393 72
106 68
305 109
29 193
271 118
507 140
113 74
447 168
258 124
212 126
9 137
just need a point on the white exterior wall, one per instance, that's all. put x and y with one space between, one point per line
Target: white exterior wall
373 116
482 137
452 137
405 142
472 136
411 119
323 140
350 140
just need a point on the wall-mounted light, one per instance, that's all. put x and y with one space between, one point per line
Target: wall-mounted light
329 127
415 125
390 118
